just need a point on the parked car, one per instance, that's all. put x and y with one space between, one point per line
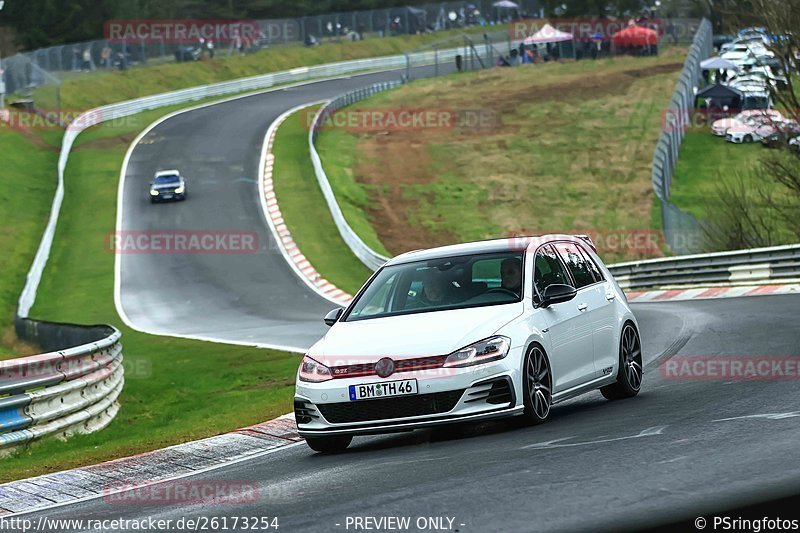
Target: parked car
466 333
187 53
795 143
167 185
779 135
720 127
751 130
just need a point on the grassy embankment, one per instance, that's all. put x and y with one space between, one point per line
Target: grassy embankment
568 148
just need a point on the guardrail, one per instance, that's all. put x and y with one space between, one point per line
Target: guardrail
61 392
778 264
131 107
372 259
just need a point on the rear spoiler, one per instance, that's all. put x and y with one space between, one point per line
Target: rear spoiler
587 240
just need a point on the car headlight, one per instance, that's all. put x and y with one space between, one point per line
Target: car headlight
314 371
180 190
153 192
490 349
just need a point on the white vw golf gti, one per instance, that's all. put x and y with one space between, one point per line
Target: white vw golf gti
469 332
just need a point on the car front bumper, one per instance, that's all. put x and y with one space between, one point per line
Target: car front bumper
444 396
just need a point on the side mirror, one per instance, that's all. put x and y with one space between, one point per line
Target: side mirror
557 293
331 318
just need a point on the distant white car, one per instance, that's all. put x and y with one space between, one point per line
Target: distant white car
795 143
167 185
467 333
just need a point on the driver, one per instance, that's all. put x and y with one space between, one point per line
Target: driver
434 288
511 275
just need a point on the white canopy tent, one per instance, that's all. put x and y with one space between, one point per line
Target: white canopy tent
718 63
548 34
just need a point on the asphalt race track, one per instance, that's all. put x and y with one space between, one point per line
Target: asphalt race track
252 298
679 447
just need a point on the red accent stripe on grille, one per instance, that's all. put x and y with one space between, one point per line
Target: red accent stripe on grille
403 365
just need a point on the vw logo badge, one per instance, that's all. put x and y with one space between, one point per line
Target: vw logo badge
385 367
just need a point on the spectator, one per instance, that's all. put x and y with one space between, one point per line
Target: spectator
105 57
514 59
87 59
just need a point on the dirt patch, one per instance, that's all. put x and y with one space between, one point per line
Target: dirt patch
390 165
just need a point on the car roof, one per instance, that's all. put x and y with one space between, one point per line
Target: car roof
509 244
161 173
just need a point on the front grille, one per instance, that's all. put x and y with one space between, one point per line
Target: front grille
402 365
387 408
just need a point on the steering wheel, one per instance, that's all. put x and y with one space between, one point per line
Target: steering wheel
503 289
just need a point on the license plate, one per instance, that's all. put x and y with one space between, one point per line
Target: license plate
168 195
370 391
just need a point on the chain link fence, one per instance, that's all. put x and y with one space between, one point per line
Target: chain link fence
682 231
24 70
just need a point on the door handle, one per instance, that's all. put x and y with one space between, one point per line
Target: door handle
610 296
582 307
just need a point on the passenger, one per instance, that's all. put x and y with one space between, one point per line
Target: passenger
511 275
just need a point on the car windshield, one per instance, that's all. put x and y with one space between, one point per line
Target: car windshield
167 180
447 283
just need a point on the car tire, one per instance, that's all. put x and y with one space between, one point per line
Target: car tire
747 139
335 444
537 386
629 372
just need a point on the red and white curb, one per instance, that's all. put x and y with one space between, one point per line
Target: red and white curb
159 466
711 292
272 212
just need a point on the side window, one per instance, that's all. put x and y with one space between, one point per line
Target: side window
548 269
576 263
597 274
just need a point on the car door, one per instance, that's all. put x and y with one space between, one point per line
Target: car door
595 297
564 325
604 331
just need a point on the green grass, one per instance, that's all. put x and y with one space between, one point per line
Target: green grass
571 152
27 184
176 389
305 211
105 87
706 163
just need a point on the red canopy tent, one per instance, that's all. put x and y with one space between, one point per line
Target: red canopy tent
635 36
